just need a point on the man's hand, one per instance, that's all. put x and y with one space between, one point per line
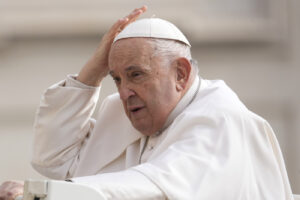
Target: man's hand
97 67
9 190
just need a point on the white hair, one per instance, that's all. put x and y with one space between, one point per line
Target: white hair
173 49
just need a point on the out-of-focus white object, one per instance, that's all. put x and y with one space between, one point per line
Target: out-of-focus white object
59 190
296 197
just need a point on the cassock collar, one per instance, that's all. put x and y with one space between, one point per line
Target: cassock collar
183 103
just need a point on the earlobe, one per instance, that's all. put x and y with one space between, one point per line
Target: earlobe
183 70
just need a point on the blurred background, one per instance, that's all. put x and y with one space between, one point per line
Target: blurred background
253 45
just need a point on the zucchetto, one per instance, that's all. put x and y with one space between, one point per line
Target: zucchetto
152 28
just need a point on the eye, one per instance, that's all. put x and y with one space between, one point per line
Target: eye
117 80
136 74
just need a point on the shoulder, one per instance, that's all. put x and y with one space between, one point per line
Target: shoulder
215 97
217 103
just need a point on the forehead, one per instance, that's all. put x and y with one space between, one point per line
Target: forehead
130 51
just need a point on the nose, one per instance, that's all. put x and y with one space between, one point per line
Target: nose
125 92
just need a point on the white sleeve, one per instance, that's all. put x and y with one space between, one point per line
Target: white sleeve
125 185
62 124
72 82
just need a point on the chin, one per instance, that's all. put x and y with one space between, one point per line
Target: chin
145 130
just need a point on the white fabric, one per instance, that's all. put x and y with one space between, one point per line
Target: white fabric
153 28
152 141
214 149
125 185
72 82
296 197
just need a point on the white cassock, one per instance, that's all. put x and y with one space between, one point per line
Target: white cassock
211 147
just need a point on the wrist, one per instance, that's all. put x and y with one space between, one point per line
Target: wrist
92 73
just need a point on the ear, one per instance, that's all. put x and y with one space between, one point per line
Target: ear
183 71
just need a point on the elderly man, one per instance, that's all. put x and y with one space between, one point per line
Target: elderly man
167 134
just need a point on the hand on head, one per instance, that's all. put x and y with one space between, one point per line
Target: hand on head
97 67
91 74
9 190
122 23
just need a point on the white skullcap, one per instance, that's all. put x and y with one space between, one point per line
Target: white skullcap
152 28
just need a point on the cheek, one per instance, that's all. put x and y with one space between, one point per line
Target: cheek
158 96
125 108
158 99
166 92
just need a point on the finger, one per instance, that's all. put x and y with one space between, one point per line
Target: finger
132 17
141 9
114 28
117 27
136 13
123 22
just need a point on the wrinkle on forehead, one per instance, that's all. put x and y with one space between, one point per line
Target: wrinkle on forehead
130 51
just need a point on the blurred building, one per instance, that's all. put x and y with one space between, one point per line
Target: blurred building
253 45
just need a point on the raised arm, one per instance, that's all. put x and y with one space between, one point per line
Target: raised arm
63 121
97 67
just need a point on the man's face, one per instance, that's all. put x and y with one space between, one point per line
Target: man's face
146 84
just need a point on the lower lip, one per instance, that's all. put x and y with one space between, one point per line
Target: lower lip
137 112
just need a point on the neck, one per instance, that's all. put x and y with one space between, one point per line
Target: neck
184 101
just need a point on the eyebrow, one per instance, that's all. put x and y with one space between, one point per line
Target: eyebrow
130 68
